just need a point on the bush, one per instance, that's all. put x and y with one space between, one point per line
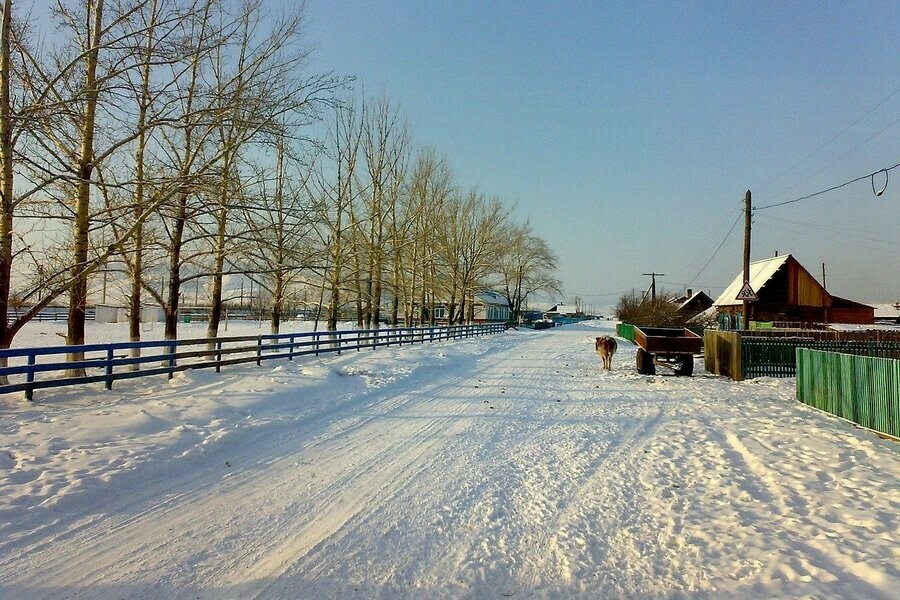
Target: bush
661 312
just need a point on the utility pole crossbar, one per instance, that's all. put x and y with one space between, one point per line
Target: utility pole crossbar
653 284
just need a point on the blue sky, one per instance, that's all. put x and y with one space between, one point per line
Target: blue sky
629 132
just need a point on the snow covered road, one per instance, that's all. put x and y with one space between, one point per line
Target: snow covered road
509 466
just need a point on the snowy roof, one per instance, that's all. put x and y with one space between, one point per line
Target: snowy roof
490 297
760 272
887 311
685 300
709 313
561 309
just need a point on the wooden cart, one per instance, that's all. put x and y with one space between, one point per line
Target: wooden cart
672 347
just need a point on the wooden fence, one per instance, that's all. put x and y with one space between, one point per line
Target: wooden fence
722 353
861 389
771 353
827 335
34 368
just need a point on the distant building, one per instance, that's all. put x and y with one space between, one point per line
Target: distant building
787 293
111 313
490 307
561 310
889 314
692 303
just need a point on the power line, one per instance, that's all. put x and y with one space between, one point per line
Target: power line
831 189
849 233
836 136
719 247
842 156
598 295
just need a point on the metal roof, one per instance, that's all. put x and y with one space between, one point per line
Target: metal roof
760 272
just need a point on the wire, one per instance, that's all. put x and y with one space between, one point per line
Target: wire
834 137
831 189
842 156
599 295
722 243
843 232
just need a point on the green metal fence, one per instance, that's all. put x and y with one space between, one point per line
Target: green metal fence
625 331
776 357
861 389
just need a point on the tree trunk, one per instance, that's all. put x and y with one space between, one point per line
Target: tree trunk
137 261
375 310
277 302
174 288
215 308
6 185
78 291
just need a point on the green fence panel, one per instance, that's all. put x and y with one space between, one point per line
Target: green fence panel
625 331
862 389
776 357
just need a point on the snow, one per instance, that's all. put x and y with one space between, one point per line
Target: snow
503 466
760 273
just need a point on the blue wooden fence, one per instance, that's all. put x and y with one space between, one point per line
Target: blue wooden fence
29 369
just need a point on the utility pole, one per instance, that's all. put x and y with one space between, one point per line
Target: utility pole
823 276
653 284
747 212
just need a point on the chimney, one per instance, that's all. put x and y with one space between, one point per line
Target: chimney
690 292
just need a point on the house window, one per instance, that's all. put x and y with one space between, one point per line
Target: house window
497 313
440 312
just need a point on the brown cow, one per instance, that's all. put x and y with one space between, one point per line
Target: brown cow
606 347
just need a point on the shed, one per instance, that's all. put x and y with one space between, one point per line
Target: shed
110 313
787 293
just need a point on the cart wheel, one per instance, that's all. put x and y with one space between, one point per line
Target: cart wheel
645 364
686 367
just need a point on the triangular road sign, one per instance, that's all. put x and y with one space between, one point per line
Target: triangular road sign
747 293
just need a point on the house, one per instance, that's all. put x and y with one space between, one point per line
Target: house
560 311
692 303
490 307
888 314
787 292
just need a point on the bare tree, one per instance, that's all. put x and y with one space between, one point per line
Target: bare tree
385 143
527 266
70 101
262 93
337 194
470 231
7 149
279 231
642 310
414 234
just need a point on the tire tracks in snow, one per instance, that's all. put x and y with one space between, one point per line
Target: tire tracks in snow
166 524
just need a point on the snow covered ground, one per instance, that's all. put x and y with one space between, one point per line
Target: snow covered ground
510 466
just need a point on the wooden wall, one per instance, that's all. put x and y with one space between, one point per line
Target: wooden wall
722 353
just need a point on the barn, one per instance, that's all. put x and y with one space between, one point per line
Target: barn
788 294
